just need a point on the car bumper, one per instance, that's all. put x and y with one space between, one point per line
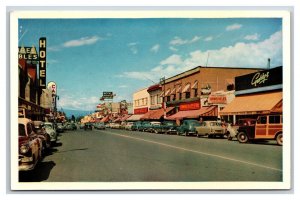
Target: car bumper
26 164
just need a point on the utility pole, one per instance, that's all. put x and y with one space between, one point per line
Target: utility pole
163 82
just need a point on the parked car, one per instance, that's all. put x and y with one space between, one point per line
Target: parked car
99 126
136 125
266 127
114 125
145 126
88 126
42 134
128 126
210 129
233 130
153 126
81 126
70 126
30 145
168 127
188 127
59 128
50 129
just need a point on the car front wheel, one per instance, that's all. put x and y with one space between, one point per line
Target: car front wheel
279 139
242 137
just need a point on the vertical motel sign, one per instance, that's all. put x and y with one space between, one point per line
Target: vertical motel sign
42 63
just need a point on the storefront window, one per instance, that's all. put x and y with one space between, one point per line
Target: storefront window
152 99
168 98
187 95
196 92
180 96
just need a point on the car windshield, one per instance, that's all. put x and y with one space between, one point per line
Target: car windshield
48 125
215 124
22 131
195 123
169 123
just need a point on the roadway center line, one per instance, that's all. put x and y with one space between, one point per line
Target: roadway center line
197 152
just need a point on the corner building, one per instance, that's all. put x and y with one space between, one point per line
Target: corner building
189 92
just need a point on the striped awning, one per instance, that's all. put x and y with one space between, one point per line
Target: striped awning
186 88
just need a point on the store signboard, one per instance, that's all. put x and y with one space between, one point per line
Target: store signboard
29 54
138 111
107 95
42 63
259 79
189 106
217 99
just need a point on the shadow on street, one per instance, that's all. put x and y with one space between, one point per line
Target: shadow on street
41 173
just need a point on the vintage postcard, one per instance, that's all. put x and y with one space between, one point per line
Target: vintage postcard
150 100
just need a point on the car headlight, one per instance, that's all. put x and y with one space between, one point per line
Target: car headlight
24 149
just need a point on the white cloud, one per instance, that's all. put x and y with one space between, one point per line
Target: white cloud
252 37
73 102
173 59
133 47
173 48
253 55
210 38
82 41
177 41
123 86
233 27
155 48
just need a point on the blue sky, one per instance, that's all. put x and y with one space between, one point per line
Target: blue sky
88 56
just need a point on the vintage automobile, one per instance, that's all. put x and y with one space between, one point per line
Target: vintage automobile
42 134
70 126
50 129
147 126
211 129
30 145
88 126
59 128
99 126
232 130
136 126
266 127
167 127
188 127
128 125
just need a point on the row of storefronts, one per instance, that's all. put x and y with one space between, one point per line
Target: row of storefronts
211 93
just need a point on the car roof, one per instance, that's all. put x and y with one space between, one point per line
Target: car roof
24 120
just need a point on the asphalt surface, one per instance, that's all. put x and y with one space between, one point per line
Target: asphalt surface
120 156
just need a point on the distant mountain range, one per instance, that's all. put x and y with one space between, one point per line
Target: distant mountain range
76 113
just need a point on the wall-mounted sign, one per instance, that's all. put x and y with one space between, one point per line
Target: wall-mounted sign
259 79
138 111
52 87
217 99
29 54
189 106
42 63
108 95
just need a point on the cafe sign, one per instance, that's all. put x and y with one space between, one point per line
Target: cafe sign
259 79
42 63
217 99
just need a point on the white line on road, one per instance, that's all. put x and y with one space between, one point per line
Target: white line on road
197 152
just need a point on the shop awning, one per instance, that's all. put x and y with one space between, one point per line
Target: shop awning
254 104
155 114
195 85
186 88
134 118
173 91
204 111
178 89
105 119
168 92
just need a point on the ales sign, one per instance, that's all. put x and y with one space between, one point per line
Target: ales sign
42 63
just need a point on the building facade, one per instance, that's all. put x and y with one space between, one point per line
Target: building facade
141 101
201 87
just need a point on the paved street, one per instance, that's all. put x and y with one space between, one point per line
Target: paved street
116 155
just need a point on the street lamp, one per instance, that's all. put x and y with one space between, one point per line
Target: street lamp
162 82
